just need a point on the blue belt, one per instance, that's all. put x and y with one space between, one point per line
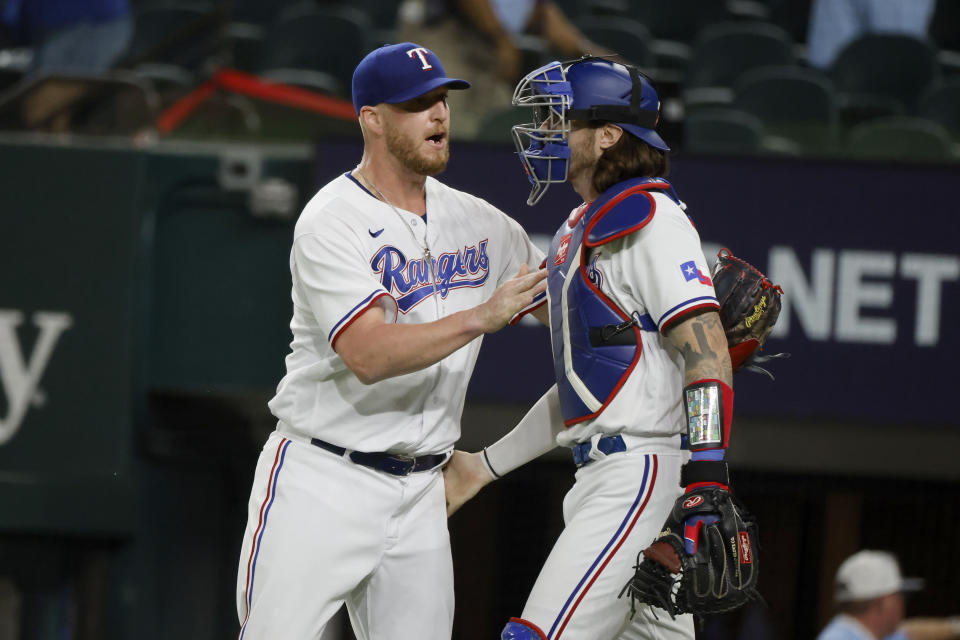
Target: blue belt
611 444
607 445
394 464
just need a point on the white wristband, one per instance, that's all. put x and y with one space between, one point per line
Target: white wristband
533 436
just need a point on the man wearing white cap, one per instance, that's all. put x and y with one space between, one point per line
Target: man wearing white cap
869 592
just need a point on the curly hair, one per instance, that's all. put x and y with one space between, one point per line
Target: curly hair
630 157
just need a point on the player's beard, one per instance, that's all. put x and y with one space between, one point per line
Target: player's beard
405 149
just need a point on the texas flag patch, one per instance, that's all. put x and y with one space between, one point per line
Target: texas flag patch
691 272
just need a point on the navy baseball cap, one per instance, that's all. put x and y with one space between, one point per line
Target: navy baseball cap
399 72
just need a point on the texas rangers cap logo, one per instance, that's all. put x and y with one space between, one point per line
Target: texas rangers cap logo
421 53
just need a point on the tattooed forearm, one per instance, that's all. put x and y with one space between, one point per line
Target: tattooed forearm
703 345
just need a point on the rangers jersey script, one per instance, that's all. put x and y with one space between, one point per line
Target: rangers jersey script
351 251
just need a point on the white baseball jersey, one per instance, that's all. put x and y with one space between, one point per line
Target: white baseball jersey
620 501
323 531
659 271
351 251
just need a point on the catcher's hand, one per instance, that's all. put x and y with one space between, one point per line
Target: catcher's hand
463 476
749 307
720 575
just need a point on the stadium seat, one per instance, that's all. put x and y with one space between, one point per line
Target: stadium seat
724 51
627 37
258 12
382 13
792 102
221 116
679 20
941 103
856 108
170 82
306 79
116 103
900 138
243 42
891 65
9 77
495 127
793 16
330 39
186 36
719 130
574 9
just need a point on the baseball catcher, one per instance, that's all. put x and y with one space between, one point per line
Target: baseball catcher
705 559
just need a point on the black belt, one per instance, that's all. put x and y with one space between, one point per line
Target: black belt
397 465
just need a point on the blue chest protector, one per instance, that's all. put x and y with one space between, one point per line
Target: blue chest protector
596 344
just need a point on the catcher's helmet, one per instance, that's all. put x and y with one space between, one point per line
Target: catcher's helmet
585 89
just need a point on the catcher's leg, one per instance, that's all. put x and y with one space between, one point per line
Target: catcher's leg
653 624
519 629
614 510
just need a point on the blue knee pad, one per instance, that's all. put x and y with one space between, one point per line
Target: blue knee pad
520 629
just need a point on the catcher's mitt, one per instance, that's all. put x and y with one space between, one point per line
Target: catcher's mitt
721 575
749 307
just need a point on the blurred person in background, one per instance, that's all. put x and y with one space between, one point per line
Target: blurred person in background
72 37
869 593
481 39
836 23
80 36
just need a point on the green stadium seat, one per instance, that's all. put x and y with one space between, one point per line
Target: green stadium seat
627 37
941 103
900 138
723 52
679 20
186 36
894 66
792 102
495 127
306 79
719 130
328 39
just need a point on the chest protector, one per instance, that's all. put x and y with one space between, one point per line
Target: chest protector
596 344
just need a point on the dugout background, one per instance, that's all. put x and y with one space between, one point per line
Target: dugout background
157 278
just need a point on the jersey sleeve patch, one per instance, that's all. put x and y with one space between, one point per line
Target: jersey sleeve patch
626 213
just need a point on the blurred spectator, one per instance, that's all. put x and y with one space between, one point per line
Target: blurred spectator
869 593
85 36
836 23
482 42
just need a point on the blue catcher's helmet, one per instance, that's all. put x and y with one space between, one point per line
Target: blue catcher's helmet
586 89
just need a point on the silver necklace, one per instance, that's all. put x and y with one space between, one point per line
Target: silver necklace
427 255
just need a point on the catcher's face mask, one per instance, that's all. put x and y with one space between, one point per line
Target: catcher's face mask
543 144
590 90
